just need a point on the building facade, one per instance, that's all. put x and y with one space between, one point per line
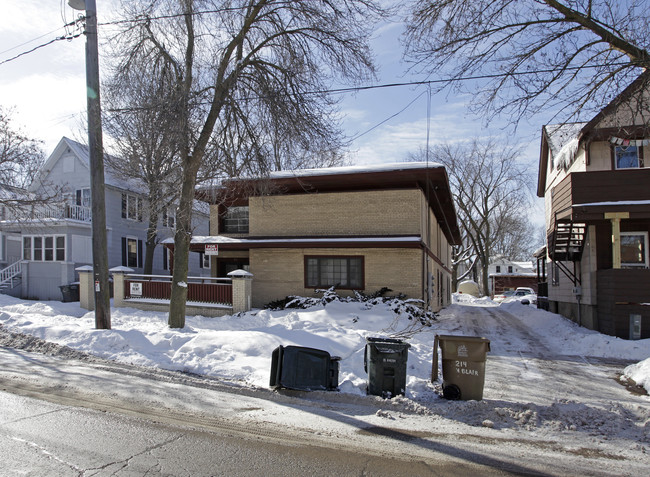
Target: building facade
358 229
41 245
594 178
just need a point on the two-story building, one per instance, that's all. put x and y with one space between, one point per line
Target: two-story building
504 274
41 245
595 179
355 228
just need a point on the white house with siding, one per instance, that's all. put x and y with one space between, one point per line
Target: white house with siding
41 246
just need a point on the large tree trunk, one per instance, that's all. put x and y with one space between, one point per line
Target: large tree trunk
182 240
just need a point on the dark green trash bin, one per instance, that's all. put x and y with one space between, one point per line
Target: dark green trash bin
385 362
70 292
304 369
463 366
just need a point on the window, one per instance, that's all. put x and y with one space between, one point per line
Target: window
342 272
82 197
628 157
509 268
236 220
204 260
168 217
131 207
634 249
48 248
498 268
635 327
131 252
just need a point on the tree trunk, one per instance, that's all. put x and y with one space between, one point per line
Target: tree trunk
150 248
182 240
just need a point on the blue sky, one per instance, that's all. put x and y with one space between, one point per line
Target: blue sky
46 88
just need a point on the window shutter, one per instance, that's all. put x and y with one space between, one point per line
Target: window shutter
124 251
124 207
140 253
164 251
200 259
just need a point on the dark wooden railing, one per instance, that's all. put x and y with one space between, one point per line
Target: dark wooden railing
199 289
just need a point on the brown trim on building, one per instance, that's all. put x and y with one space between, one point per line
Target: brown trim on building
433 181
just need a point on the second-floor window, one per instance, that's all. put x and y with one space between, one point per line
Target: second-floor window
498 269
236 220
44 248
168 217
131 207
82 197
628 157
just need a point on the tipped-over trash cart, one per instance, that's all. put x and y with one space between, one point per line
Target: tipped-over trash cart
304 369
463 366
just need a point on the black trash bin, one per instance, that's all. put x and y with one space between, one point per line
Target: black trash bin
70 292
304 369
385 362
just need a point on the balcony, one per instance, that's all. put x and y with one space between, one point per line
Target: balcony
600 189
55 211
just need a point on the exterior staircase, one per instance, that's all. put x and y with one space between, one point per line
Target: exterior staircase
565 244
11 276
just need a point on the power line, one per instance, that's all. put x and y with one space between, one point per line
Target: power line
59 38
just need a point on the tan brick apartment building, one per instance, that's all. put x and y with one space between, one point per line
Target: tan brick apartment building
359 228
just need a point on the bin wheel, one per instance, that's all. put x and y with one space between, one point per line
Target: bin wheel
451 391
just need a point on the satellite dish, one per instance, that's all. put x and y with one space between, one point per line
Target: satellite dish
77 4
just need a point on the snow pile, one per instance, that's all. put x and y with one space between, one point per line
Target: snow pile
238 348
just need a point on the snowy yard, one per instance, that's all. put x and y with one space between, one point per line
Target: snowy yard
550 385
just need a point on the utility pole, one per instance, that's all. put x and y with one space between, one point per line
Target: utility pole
96 151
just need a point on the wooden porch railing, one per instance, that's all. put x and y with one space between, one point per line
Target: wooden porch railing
199 289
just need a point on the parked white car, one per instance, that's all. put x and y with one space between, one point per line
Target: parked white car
525 295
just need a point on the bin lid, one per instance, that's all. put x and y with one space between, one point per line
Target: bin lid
463 338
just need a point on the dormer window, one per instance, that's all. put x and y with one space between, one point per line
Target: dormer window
628 157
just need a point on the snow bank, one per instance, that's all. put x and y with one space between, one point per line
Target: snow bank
238 348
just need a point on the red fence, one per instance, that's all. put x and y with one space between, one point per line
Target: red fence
159 287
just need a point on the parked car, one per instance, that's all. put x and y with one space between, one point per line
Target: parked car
502 296
525 295
521 291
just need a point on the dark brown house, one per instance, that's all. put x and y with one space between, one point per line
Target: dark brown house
595 179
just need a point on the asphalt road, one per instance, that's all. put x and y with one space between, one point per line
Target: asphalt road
44 432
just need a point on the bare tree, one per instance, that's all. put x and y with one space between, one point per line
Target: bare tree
533 55
491 191
20 156
146 144
224 55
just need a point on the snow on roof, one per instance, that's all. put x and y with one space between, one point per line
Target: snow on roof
110 178
620 202
563 142
221 239
384 167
